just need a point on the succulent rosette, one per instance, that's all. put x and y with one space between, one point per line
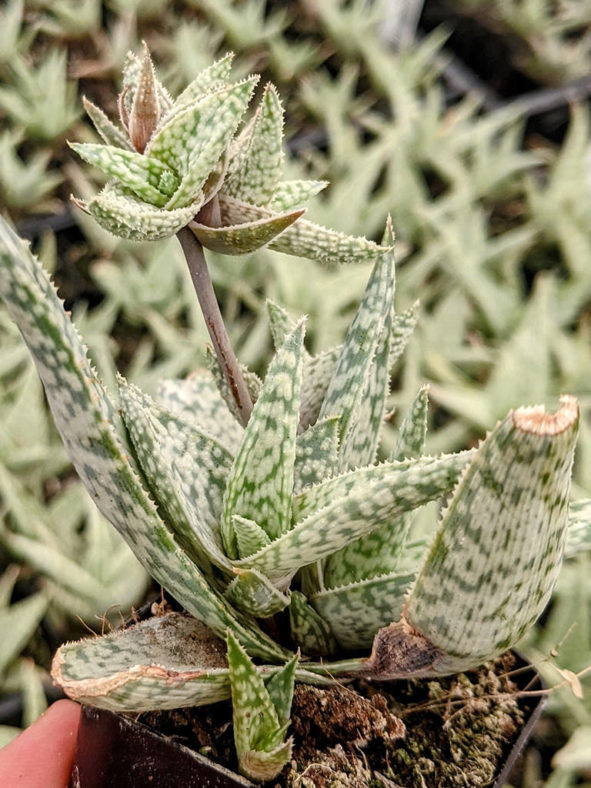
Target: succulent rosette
182 162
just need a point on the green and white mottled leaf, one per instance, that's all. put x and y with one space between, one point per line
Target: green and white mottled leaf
352 506
280 688
379 553
257 161
317 454
412 434
258 732
578 535
192 141
305 239
318 371
186 471
485 579
280 323
128 217
142 175
356 611
402 328
292 194
253 594
260 485
351 379
165 662
211 79
94 437
360 442
109 132
438 473
311 632
197 402
247 237
253 383
250 537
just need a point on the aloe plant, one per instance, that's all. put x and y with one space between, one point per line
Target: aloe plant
247 499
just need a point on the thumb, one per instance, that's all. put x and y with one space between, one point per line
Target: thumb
42 755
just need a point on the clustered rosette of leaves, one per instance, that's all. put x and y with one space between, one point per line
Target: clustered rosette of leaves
290 515
178 163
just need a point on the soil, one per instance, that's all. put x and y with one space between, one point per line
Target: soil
454 731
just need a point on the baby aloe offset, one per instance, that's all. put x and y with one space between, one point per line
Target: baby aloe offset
279 507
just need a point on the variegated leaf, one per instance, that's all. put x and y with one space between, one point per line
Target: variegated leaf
211 79
497 554
250 537
356 611
317 454
354 507
292 194
253 383
351 376
197 402
379 553
360 442
192 141
142 175
128 217
258 731
186 471
280 323
109 132
311 632
318 371
255 167
94 437
443 472
280 688
260 485
413 430
403 325
306 239
165 662
253 594
578 536
247 237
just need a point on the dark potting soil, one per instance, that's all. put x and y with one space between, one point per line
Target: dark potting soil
454 731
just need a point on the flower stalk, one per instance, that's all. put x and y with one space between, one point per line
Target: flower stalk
193 251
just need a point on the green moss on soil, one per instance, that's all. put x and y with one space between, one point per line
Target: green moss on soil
451 732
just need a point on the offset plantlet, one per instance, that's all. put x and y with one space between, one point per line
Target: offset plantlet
244 512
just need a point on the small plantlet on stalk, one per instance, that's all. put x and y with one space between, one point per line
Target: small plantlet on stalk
251 499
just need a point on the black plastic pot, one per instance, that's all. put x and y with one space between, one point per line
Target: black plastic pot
114 751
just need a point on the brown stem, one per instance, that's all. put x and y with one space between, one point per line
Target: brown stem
215 323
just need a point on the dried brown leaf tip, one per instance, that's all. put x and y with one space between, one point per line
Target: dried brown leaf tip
145 110
539 422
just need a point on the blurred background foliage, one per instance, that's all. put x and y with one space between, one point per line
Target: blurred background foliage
466 120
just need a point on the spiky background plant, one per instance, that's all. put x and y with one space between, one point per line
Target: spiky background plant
244 512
